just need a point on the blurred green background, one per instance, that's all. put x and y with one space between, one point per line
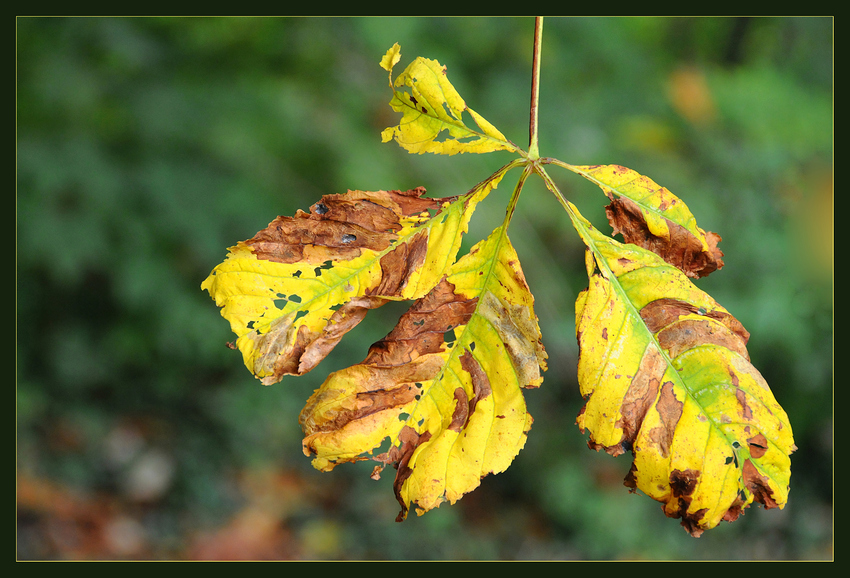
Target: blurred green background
147 146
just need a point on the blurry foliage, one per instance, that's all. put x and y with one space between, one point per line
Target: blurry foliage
145 145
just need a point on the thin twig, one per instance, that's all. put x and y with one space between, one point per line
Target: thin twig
533 151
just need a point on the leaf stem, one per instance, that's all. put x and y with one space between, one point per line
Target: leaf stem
515 196
550 184
533 151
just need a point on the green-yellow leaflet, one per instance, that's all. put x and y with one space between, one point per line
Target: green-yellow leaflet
652 217
291 292
433 106
444 386
666 374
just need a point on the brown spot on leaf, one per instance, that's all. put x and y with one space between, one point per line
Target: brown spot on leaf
400 457
679 247
735 510
480 382
758 445
364 404
461 411
670 410
663 312
398 265
421 330
340 323
683 335
741 396
339 226
691 521
639 397
758 485
683 483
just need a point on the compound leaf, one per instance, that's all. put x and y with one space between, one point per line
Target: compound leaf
444 386
650 216
293 290
666 374
432 109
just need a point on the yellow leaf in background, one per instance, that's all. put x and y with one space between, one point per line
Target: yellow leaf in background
665 373
444 386
691 96
650 216
292 292
432 109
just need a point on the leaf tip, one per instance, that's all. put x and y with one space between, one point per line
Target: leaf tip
391 58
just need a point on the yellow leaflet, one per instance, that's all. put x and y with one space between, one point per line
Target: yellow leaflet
444 386
650 216
294 290
432 112
666 374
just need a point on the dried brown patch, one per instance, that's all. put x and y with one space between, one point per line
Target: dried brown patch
683 483
691 521
758 445
341 322
399 264
680 247
420 331
670 410
480 382
461 412
735 510
642 392
758 485
741 396
339 226
400 457
689 333
663 312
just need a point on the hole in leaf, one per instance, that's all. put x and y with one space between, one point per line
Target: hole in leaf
300 314
321 208
449 336
280 303
325 265
346 239
295 298
449 111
